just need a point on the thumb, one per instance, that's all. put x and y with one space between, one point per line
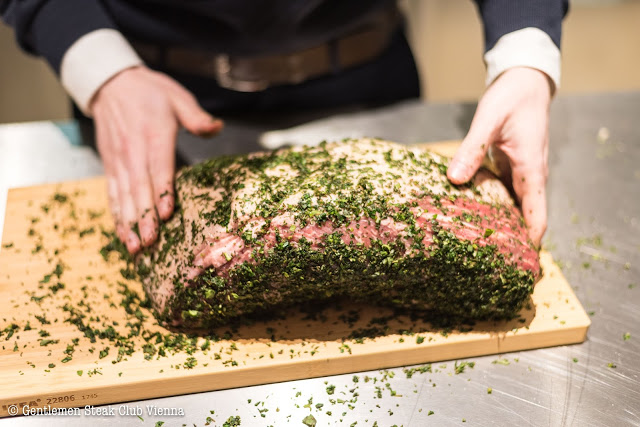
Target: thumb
469 157
192 116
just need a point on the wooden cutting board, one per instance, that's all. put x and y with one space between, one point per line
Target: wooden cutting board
44 231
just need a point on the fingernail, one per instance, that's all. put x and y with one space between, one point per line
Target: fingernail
133 243
121 233
455 171
162 209
217 123
165 207
149 238
207 134
213 118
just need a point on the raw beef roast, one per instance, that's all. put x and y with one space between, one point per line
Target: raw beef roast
370 220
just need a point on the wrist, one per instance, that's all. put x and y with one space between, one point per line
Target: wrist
111 85
528 47
529 82
93 60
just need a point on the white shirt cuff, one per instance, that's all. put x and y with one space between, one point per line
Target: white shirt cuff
529 47
92 60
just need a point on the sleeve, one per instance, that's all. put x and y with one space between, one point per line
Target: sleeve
523 33
78 39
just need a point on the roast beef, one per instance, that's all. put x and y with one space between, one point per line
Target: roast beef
369 220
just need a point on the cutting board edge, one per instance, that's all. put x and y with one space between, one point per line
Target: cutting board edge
280 373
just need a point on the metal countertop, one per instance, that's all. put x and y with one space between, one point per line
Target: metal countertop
594 231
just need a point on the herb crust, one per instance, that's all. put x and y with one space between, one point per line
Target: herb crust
364 219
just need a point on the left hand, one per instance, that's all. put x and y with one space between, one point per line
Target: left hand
137 115
512 119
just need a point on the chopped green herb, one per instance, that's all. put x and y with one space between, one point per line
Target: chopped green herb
60 197
87 231
233 421
190 363
460 367
309 421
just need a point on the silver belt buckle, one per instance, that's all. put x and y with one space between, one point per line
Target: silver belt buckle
223 71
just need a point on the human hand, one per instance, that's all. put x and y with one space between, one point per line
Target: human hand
137 114
512 120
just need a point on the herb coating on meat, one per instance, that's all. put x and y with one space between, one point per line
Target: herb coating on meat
366 219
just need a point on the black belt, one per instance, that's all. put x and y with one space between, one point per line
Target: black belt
256 73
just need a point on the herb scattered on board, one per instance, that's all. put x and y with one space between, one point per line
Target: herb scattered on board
114 337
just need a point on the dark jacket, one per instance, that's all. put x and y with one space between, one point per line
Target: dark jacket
49 27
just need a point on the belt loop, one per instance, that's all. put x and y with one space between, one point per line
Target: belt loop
334 58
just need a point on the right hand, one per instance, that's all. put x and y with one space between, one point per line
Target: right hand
512 119
137 114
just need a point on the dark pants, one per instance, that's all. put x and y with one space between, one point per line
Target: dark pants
389 78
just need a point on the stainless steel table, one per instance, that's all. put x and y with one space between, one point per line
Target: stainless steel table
594 231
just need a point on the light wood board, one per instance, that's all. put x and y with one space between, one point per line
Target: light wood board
279 350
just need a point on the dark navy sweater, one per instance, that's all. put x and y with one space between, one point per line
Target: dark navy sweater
49 27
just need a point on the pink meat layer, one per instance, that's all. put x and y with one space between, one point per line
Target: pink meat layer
223 250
